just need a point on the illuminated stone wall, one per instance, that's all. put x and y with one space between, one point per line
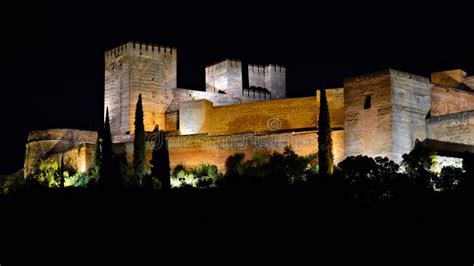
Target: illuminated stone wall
256 76
368 131
454 128
77 146
271 77
448 100
267 116
195 117
449 78
275 81
225 76
134 69
385 113
192 150
410 106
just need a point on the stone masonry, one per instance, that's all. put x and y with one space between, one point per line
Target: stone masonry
377 114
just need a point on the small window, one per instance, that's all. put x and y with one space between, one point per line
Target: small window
367 102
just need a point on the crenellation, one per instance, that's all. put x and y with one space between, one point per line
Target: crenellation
376 114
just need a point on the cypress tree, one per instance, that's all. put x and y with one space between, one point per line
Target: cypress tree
96 159
160 161
139 160
106 180
325 156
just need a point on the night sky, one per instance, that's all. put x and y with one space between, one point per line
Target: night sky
52 63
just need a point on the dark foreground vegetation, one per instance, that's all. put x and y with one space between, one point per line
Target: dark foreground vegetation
269 205
366 204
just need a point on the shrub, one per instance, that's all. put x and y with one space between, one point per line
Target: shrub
448 179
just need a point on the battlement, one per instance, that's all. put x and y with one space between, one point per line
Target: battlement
275 68
386 72
225 62
63 134
137 48
257 68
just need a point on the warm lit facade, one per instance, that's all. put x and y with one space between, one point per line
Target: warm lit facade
244 108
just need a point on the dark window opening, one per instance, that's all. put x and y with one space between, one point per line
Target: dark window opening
367 102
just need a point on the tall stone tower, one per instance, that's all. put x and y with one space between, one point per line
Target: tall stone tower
225 77
275 81
385 113
133 69
247 83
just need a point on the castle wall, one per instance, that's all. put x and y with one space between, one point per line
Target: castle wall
267 116
410 106
181 95
77 147
368 131
134 69
448 100
454 128
195 117
192 150
450 78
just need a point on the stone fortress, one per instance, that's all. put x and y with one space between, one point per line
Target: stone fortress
244 109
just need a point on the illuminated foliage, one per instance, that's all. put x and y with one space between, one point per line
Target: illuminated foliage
48 172
201 176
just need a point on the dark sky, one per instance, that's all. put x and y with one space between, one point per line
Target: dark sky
52 63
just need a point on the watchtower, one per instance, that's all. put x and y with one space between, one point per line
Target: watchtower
384 113
133 69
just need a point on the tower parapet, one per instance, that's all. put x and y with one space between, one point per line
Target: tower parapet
133 69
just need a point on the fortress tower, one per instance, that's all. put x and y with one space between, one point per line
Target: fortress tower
225 77
275 81
133 69
385 113
246 83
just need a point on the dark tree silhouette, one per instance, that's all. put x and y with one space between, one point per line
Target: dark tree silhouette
139 159
106 180
160 161
417 165
448 179
97 158
325 156
369 179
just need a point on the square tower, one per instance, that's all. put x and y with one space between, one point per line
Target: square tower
385 113
225 77
275 81
133 69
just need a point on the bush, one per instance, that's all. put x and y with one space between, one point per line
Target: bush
417 165
273 170
448 179
368 179
13 183
77 180
201 176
